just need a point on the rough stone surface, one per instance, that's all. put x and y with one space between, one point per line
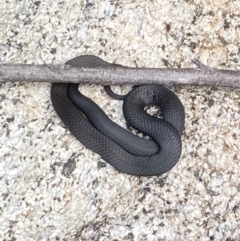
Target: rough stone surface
199 199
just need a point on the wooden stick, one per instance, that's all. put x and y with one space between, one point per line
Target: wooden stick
62 73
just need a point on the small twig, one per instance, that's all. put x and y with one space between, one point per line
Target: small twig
118 75
166 63
200 64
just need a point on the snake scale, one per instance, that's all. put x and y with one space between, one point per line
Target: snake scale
120 148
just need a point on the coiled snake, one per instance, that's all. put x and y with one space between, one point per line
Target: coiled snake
123 150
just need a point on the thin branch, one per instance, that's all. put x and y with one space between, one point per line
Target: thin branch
200 64
202 75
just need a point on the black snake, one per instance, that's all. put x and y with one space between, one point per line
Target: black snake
123 150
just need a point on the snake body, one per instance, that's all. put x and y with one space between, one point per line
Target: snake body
120 148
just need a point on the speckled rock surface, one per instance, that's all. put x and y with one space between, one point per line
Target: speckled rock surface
199 199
